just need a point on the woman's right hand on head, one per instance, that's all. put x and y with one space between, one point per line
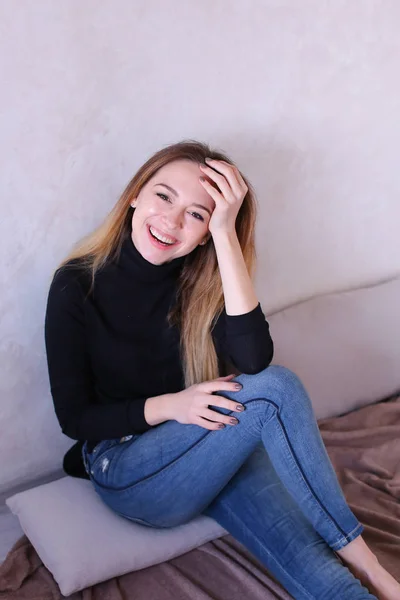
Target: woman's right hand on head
191 405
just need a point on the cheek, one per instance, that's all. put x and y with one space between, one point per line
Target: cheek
196 227
196 234
143 212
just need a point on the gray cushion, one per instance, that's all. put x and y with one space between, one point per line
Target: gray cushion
83 542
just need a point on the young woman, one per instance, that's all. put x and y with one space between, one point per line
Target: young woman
142 319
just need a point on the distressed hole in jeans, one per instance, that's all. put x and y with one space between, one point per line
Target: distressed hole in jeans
104 464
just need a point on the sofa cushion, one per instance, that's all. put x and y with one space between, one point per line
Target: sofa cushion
344 346
83 542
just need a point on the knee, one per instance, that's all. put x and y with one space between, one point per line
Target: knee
277 383
277 376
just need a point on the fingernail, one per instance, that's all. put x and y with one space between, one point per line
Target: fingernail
221 426
239 407
238 386
233 421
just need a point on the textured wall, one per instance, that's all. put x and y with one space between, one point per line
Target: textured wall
304 95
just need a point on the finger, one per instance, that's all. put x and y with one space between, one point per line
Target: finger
208 424
230 172
225 377
213 415
224 162
222 402
220 386
220 180
238 174
215 194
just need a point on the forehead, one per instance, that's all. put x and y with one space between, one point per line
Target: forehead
183 176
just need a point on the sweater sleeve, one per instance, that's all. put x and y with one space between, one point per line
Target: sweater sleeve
244 340
71 378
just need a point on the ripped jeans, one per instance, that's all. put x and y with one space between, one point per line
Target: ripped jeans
268 481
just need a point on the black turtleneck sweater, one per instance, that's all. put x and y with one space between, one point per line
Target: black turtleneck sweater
110 350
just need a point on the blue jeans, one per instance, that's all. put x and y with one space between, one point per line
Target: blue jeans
268 481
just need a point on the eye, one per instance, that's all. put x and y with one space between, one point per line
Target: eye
164 197
197 216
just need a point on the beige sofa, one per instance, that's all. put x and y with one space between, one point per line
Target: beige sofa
345 346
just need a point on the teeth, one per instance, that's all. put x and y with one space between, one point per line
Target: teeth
161 237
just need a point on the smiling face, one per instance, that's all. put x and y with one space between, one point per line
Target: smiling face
174 207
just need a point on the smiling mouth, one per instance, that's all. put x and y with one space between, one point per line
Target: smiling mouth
161 238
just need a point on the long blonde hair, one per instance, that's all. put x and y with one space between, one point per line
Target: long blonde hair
199 299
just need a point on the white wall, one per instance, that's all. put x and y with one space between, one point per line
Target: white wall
303 95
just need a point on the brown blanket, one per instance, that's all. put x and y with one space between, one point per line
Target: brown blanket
364 447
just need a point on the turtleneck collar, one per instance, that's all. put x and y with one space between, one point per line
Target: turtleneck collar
143 270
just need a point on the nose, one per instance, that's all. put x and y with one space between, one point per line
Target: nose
173 218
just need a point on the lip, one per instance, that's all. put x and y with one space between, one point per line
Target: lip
154 241
168 235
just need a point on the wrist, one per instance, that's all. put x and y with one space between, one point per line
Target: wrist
158 409
224 236
168 406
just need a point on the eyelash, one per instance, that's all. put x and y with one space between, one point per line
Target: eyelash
162 196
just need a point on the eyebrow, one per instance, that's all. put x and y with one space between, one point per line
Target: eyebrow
177 195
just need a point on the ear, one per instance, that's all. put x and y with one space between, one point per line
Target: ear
204 241
133 203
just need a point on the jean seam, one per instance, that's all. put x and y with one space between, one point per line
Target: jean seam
138 521
323 511
347 537
199 442
164 468
297 584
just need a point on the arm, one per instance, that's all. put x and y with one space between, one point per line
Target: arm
242 332
239 294
245 338
244 341
71 378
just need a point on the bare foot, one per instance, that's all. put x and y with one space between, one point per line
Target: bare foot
364 565
378 581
